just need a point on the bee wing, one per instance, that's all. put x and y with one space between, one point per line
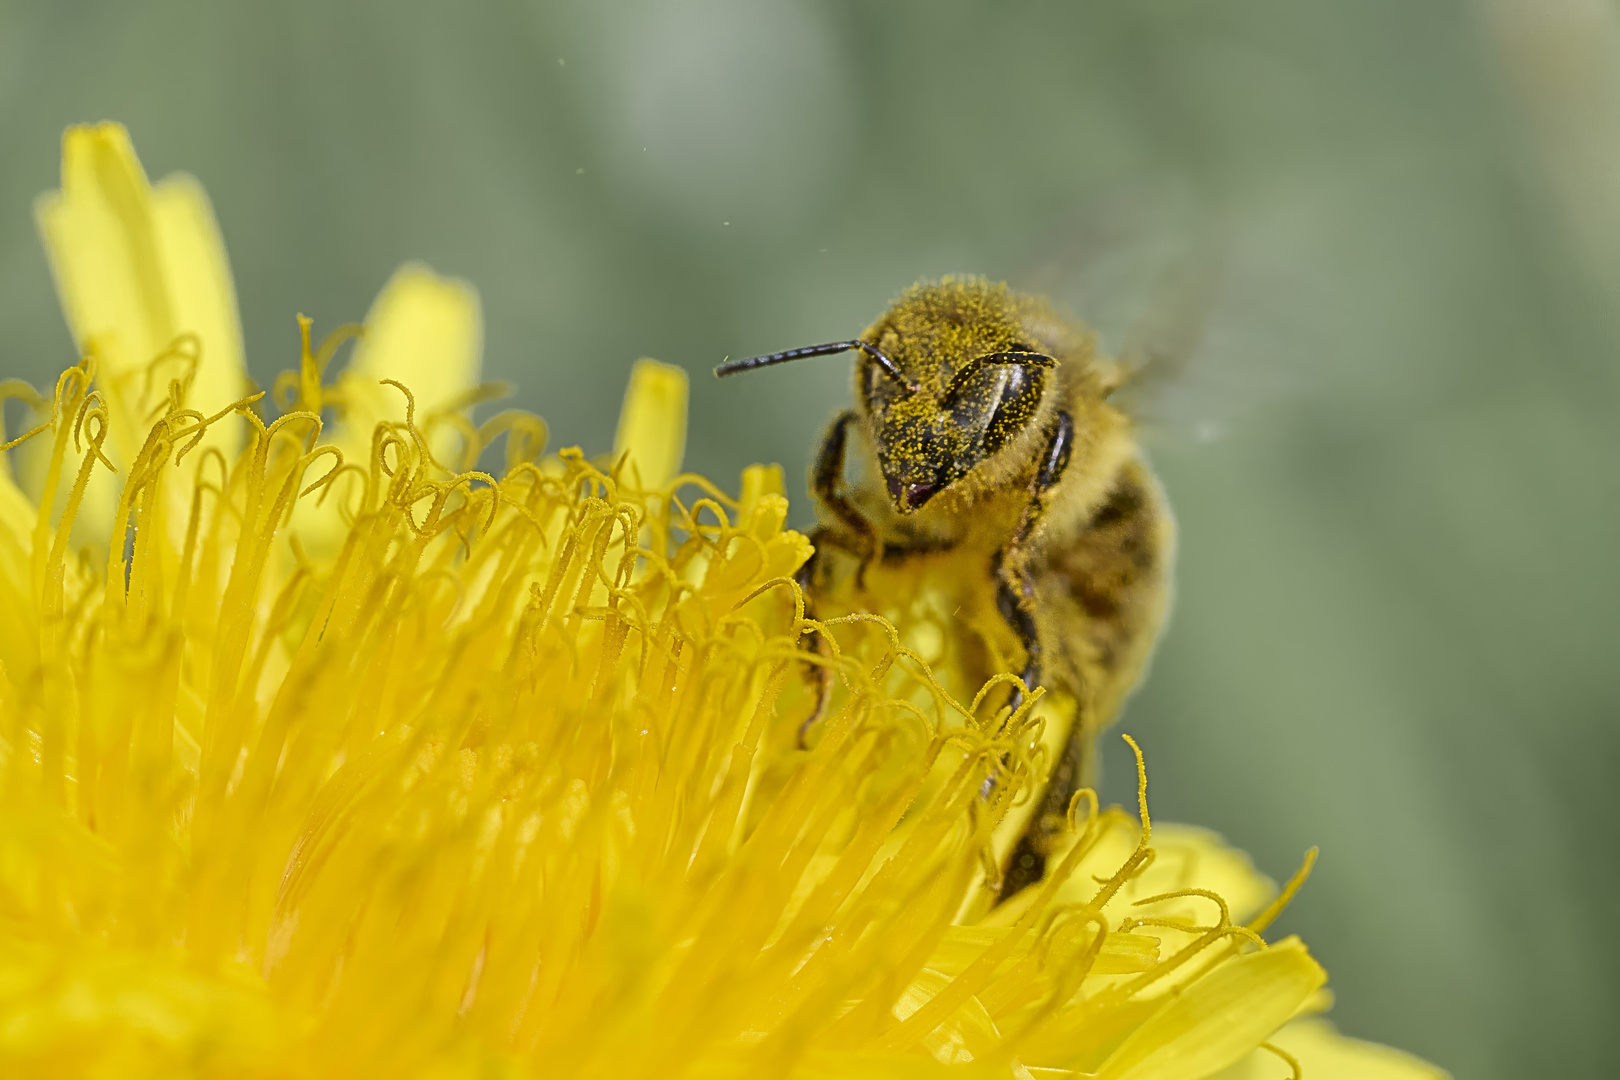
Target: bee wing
1170 288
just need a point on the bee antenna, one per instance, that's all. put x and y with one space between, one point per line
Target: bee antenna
749 363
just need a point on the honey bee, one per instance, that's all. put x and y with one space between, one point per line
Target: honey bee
988 420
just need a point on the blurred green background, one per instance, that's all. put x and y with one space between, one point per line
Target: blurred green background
1394 458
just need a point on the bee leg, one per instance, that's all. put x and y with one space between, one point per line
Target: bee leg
826 480
1015 587
1027 864
1015 598
1015 593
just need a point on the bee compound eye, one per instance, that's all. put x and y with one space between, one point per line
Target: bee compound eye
1017 397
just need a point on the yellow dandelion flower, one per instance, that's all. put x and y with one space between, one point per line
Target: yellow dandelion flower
324 754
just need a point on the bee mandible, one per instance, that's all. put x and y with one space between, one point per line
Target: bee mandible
988 418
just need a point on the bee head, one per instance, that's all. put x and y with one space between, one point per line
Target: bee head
970 380
945 379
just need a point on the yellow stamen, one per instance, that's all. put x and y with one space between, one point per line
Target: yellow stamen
458 774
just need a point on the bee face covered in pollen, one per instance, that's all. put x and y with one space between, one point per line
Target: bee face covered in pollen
974 380
920 452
